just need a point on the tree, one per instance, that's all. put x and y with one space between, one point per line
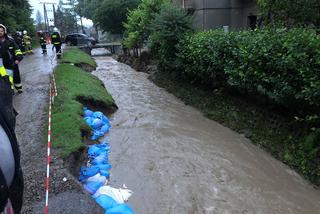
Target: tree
291 12
16 15
38 17
87 8
64 20
39 21
167 29
137 25
112 13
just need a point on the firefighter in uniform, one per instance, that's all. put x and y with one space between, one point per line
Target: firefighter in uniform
11 55
11 177
56 41
18 38
16 72
43 42
27 42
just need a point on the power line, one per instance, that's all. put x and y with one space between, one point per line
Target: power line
45 11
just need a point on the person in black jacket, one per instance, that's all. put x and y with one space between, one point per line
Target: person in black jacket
43 42
11 177
56 41
10 54
16 72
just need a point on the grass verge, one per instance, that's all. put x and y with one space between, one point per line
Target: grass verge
76 56
76 89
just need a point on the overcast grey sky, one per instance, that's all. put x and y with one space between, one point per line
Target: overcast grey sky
35 4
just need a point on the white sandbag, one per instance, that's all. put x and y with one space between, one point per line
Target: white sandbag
119 195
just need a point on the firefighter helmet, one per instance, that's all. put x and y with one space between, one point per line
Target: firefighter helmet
4 27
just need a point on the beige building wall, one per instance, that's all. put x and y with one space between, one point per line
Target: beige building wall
217 13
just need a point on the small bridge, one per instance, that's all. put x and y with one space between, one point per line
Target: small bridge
113 48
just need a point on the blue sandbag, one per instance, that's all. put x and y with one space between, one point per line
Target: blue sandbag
88 113
101 159
106 202
98 114
105 173
91 186
86 172
105 128
96 123
104 166
97 134
120 209
97 149
88 120
105 142
97 178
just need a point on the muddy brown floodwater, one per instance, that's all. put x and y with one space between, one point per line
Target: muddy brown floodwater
178 162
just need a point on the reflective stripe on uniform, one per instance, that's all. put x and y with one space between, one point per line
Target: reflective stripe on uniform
3 73
18 52
18 85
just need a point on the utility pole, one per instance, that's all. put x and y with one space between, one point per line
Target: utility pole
46 19
54 15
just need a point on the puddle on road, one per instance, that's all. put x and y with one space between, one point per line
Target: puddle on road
177 161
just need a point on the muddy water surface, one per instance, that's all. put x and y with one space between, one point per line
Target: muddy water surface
177 161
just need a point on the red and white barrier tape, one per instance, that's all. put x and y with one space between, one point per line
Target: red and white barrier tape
52 94
55 86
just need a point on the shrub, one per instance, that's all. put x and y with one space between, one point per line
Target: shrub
203 56
168 27
283 65
138 22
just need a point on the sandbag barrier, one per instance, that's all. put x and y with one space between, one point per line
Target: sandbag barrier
95 175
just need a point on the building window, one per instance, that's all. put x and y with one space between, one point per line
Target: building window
252 22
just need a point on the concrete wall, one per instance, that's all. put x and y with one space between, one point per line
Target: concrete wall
217 13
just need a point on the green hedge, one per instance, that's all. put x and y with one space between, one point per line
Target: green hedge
203 55
280 65
283 65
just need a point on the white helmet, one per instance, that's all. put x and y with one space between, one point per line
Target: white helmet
25 32
4 28
55 29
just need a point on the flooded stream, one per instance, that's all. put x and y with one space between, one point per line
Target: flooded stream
177 161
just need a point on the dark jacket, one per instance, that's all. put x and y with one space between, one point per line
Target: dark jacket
56 38
9 51
7 121
18 39
43 40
